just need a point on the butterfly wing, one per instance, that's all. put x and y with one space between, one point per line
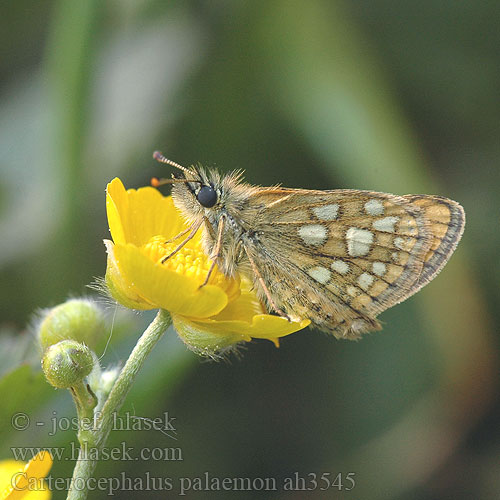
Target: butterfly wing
342 257
446 222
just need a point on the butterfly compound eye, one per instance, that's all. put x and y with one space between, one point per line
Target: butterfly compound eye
207 196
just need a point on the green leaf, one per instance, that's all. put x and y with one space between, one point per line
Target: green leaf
23 391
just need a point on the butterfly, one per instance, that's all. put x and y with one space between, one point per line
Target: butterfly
337 257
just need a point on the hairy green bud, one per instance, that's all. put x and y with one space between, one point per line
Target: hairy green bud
67 363
78 319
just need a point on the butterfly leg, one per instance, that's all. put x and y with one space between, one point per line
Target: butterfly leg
177 236
264 287
209 228
190 237
216 252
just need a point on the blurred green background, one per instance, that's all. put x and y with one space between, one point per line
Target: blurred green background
391 96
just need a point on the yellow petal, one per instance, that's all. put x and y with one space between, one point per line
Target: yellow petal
8 471
263 326
211 335
25 480
134 216
116 210
245 307
119 288
162 288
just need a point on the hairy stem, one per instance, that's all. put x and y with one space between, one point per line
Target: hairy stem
92 442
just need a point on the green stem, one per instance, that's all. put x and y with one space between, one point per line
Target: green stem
136 359
85 402
86 460
84 469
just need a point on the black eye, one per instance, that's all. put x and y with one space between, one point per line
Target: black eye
207 196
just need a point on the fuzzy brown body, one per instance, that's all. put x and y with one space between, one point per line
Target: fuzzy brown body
338 258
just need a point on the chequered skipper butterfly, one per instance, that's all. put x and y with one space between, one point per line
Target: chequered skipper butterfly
338 258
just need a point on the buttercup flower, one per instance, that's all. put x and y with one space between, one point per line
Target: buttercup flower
143 224
20 481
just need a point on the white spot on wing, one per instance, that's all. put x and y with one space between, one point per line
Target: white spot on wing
399 242
340 266
374 207
313 234
320 274
327 212
379 268
358 241
365 280
386 224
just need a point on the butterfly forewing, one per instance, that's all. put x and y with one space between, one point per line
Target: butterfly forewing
446 220
351 254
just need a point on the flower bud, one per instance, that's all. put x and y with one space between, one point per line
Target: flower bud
67 363
78 319
205 342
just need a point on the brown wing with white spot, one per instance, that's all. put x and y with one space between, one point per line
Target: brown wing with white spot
341 257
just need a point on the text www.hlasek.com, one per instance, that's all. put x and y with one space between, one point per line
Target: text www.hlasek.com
122 452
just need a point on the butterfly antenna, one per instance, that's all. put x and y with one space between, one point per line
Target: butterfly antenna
159 157
155 182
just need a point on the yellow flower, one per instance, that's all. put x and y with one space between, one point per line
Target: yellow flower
25 481
208 319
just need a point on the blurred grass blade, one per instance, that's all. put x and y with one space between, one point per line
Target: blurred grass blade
69 56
